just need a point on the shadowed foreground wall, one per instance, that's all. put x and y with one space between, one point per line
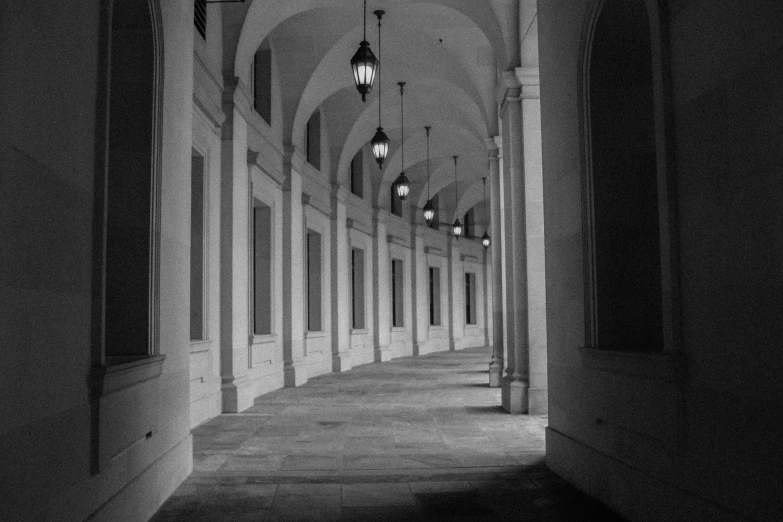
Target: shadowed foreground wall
689 436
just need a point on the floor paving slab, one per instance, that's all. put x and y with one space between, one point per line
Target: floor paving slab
416 438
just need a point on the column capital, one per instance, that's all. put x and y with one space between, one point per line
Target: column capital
493 152
256 159
508 87
498 143
492 146
380 216
528 78
340 192
235 95
293 158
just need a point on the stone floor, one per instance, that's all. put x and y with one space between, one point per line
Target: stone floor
419 438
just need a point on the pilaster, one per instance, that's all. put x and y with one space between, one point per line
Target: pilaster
496 363
381 289
294 298
534 198
456 321
341 282
516 384
237 394
419 288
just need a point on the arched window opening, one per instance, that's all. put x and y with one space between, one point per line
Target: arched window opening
313 140
625 301
357 174
262 82
130 184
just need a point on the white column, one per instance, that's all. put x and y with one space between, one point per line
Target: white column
381 290
496 363
294 301
341 283
237 394
516 384
534 197
419 288
456 324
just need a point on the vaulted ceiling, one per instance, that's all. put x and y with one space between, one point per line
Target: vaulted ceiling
449 53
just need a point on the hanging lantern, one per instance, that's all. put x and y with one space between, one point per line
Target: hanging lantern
380 142
364 64
403 186
457 228
485 238
429 211
429 208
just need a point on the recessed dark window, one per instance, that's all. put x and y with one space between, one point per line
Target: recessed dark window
130 183
470 222
262 84
262 268
470 298
357 287
357 174
313 138
197 243
314 275
435 313
398 307
626 258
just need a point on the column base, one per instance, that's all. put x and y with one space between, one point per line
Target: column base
538 401
294 374
515 396
382 354
495 374
341 362
236 394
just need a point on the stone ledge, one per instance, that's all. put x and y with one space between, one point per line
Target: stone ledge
126 371
654 366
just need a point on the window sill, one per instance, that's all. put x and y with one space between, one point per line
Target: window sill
398 329
200 345
437 327
360 331
123 372
263 339
316 335
653 366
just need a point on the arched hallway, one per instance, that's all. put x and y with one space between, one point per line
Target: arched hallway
202 227
416 438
